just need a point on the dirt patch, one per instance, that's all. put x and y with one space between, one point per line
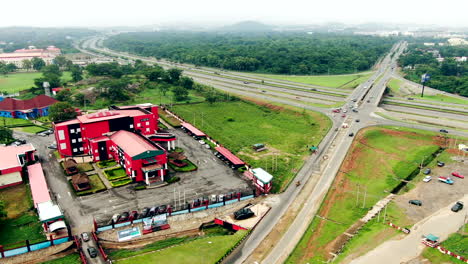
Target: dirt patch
262 154
265 104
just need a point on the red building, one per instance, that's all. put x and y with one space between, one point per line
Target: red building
13 159
126 134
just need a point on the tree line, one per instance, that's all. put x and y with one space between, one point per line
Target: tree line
449 75
272 52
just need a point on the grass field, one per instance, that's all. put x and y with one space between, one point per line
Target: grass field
457 243
30 129
396 153
203 250
394 85
238 125
333 81
96 186
106 163
15 82
69 259
22 222
13 121
443 98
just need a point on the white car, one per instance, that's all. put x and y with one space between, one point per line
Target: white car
201 142
427 178
345 111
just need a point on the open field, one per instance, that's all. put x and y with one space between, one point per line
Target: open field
238 125
394 85
333 81
22 222
203 250
443 98
398 152
15 82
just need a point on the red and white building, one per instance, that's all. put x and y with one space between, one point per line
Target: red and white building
18 56
126 134
12 162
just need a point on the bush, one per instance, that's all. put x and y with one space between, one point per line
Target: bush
140 187
122 182
173 180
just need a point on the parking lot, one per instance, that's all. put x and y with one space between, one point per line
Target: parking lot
435 194
213 177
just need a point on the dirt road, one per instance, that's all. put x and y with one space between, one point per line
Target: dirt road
442 224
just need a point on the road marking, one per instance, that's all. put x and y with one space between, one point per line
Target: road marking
58 195
69 194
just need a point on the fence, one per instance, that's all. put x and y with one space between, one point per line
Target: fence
185 211
33 247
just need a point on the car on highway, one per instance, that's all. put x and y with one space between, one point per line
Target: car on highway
427 171
440 163
355 110
446 180
357 120
415 202
85 236
42 134
457 206
458 175
427 178
345 111
443 131
351 134
354 100
92 252
246 82
336 110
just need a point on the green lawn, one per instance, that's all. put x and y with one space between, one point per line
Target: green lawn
85 167
203 250
15 82
96 186
106 163
378 155
457 243
115 173
69 259
394 85
238 125
22 222
443 98
6 121
334 81
189 167
31 129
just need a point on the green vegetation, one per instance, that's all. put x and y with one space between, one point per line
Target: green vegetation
6 135
69 259
85 167
106 163
173 179
189 167
456 243
449 75
443 98
336 81
394 85
31 129
168 118
426 107
12 122
400 151
120 182
96 186
16 82
238 125
115 173
21 222
273 52
203 250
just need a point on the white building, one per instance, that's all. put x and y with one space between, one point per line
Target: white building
18 56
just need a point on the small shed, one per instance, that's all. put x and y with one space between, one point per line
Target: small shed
259 147
70 166
81 182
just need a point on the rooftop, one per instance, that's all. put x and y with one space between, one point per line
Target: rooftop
133 144
39 101
193 129
9 155
109 114
39 189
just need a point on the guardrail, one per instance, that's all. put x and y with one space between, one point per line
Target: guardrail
32 247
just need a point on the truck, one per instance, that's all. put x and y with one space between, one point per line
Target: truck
446 180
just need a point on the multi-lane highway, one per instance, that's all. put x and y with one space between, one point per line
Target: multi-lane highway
365 99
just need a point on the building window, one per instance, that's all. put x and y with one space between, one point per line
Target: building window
78 130
61 134
75 149
147 123
148 129
95 151
72 130
97 158
131 125
73 140
81 148
80 139
63 145
139 125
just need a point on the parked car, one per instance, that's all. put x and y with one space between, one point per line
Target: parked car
457 206
357 120
48 132
343 115
221 197
85 237
443 131
92 252
427 171
355 110
243 213
153 211
196 203
246 82
415 202
213 198
345 111
354 100
201 142
162 209
458 175
427 179
42 134
133 215
446 180
440 163
124 216
207 146
116 218
351 134
145 212
52 146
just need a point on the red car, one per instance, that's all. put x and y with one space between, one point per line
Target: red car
456 174
343 115
336 110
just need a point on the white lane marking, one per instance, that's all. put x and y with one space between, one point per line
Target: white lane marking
58 196
69 194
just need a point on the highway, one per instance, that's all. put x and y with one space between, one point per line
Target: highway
366 98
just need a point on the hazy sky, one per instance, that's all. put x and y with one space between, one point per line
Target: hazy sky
147 12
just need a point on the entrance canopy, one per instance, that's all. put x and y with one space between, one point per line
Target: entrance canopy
57 225
49 211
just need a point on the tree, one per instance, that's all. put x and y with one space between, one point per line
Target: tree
11 67
51 69
26 64
6 135
64 95
115 90
80 99
76 73
180 93
186 82
37 63
61 111
155 74
174 75
3 212
60 61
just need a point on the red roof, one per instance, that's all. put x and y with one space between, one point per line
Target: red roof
9 155
194 130
109 114
131 143
39 101
228 155
37 181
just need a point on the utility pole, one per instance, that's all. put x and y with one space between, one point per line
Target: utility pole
365 194
357 195
385 213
